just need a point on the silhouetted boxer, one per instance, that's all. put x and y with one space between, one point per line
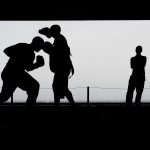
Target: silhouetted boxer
21 59
60 62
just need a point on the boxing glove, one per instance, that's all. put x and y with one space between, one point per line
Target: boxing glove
40 61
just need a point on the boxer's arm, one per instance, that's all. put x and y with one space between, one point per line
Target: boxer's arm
39 63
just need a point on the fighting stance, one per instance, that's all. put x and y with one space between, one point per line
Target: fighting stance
21 59
60 62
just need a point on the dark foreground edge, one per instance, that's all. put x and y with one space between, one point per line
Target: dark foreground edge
93 116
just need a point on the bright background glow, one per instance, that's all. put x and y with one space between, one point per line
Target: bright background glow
101 56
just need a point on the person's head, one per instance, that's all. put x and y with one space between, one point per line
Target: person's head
55 30
37 43
138 50
45 31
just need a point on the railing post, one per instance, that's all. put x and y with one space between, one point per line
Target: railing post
88 94
12 99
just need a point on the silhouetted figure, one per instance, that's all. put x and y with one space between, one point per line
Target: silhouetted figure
137 79
60 62
21 59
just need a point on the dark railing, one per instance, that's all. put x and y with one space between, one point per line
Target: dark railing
87 91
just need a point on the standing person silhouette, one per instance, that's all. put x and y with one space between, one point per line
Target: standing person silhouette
137 79
60 62
21 59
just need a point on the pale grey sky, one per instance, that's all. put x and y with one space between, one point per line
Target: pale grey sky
101 55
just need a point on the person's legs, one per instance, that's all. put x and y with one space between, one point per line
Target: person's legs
139 91
69 97
131 88
60 88
31 86
7 91
56 90
56 99
67 92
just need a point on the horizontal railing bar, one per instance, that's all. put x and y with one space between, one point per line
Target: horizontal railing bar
95 88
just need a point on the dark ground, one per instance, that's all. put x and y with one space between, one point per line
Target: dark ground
83 116
94 126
